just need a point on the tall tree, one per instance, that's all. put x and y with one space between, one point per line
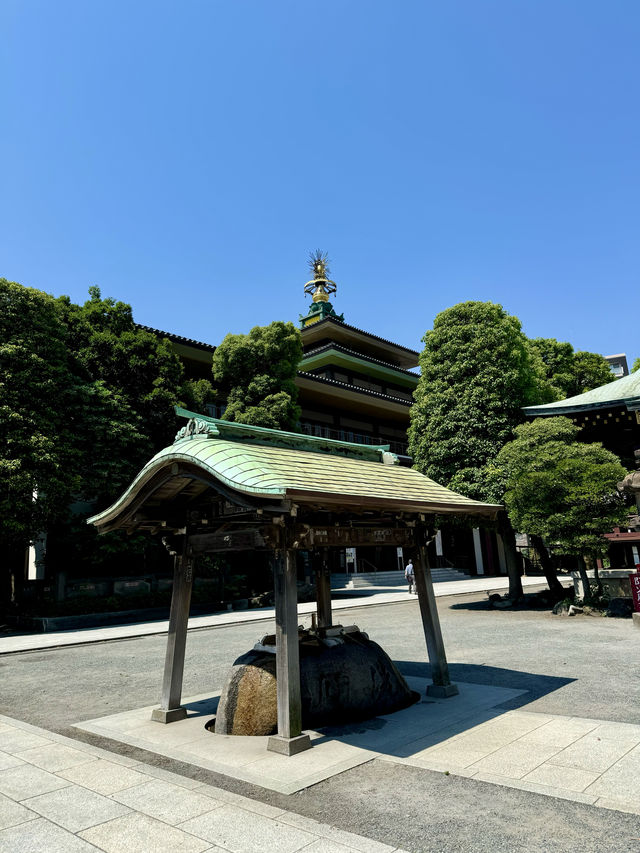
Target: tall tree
138 366
477 371
255 374
569 372
37 391
636 365
561 491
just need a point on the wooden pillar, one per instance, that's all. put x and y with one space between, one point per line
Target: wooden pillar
323 588
289 739
442 686
170 709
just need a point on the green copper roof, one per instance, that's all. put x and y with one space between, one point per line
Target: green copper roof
620 392
269 464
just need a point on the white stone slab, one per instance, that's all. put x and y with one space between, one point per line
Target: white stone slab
102 776
229 828
166 802
138 833
42 836
76 808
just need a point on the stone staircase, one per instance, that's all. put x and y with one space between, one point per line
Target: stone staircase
387 579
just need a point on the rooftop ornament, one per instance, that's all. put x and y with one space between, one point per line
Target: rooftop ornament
320 288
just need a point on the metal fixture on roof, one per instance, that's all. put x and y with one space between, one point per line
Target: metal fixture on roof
321 286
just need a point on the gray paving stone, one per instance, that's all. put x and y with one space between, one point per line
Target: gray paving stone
325 845
104 777
42 836
166 802
593 753
242 802
12 813
557 776
76 808
230 828
167 775
16 740
56 756
7 761
138 833
28 781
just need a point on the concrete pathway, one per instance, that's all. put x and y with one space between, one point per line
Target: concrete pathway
63 796
357 598
587 761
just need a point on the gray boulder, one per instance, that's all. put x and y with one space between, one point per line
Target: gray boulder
343 679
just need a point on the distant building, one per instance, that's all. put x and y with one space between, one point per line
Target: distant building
618 364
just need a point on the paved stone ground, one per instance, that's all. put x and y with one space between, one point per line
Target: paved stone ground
589 667
58 796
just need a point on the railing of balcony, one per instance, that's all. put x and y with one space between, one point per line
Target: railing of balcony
398 447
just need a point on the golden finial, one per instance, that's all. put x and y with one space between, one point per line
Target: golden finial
320 286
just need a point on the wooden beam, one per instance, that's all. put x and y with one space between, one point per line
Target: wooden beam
289 739
442 686
170 709
323 587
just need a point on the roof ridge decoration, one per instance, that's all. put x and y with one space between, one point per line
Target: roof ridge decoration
320 287
201 426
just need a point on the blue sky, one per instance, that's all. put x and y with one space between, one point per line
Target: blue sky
185 157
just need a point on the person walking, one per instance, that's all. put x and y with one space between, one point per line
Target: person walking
410 576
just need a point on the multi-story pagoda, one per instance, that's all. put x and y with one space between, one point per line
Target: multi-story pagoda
354 386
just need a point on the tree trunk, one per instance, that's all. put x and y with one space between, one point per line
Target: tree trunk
592 563
547 567
511 556
586 585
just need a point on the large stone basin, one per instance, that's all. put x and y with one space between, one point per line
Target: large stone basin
344 677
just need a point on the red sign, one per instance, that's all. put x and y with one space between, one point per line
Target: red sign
635 590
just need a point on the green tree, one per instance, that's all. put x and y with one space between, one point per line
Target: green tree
591 371
476 374
37 390
256 373
568 372
636 365
477 371
140 368
561 491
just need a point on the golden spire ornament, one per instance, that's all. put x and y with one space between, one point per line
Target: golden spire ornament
320 287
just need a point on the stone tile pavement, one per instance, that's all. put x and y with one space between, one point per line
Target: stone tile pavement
58 795
584 760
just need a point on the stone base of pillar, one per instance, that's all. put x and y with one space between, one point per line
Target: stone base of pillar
289 745
442 691
159 715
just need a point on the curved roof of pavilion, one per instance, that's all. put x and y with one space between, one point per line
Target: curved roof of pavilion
624 392
266 467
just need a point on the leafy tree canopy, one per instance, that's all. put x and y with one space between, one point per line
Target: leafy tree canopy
37 390
477 371
636 365
559 489
136 365
256 373
569 372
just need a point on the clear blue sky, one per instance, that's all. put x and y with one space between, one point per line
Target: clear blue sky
186 156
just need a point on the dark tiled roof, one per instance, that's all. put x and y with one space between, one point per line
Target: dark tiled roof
357 388
360 355
362 332
178 339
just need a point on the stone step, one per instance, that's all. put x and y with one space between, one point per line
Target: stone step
394 578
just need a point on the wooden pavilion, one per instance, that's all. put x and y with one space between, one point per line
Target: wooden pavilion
225 487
